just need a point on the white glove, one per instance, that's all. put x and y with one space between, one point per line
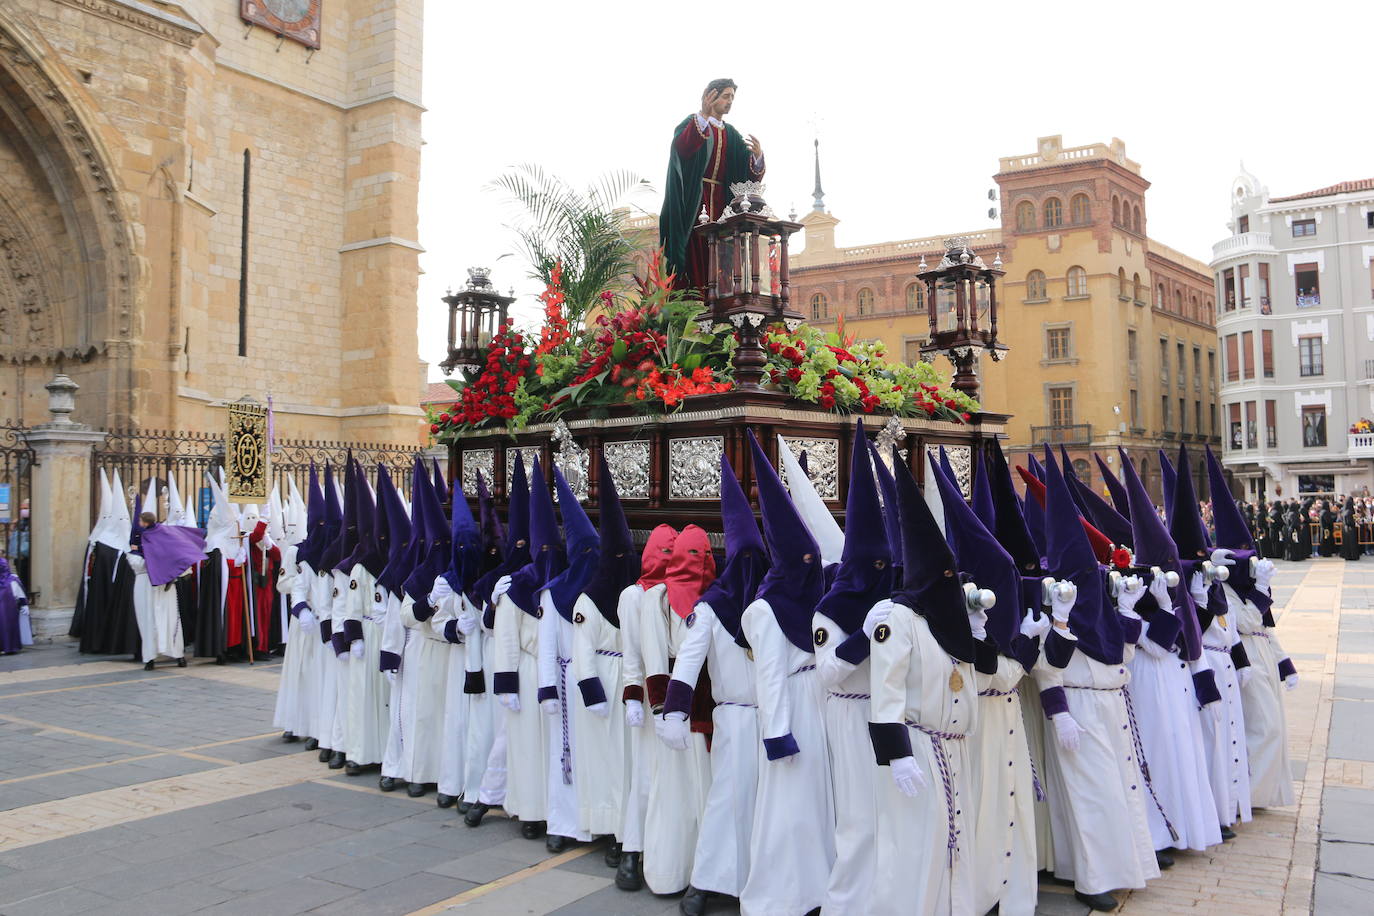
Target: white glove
390 676
440 591
549 707
1159 588
1062 598
1245 674
305 618
1131 591
1197 587
978 624
1222 557
510 700
906 773
1068 730
634 713
356 649
876 615
1264 574
467 622
502 586
1031 627
673 730
1291 681
599 709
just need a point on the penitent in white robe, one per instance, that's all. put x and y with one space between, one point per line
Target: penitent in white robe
555 657
486 737
1225 727
721 861
917 873
794 817
155 610
1033 715
1266 726
298 694
517 646
601 741
327 697
453 740
642 745
365 727
417 713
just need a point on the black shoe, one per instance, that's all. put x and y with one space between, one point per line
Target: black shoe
1051 878
289 738
387 783
532 830
147 666
336 760
475 813
351 768
1164 860
464 806
415 789
693 902
312 744
1103 903
1227 833
325 754
181 663
629 876
613 855
445 801
556 844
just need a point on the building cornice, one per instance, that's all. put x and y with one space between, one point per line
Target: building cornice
143 17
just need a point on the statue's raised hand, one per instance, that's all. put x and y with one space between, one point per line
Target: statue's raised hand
755 147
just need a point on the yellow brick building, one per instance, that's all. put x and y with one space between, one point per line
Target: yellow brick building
195 207
1112 334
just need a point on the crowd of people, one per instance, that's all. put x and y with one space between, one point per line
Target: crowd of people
928 711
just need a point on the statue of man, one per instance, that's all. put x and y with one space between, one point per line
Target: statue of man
707 156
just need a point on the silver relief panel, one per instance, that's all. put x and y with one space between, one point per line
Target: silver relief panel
572 460
961 459
474 460
528 455
629 464
694 467
822 464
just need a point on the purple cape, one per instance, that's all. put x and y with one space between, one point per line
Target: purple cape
170 550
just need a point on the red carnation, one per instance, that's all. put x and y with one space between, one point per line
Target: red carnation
794 374
433 428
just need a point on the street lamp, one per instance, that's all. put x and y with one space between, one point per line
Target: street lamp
476 314
961 303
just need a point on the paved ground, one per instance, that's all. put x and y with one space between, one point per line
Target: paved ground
168 792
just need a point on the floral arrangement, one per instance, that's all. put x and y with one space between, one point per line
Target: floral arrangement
652 350
1363 426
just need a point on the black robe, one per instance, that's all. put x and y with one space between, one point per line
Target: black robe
1350 534
209 628
1327 520
1295 537
1275 532
104 617
1305 528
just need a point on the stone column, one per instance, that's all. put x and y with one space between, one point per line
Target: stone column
59 511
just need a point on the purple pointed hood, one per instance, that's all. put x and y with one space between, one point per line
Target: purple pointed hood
1154 547
1120 502
493 538
1234 535
389 503
1066 467
135 526
1069 555
547 557
1036 468
441 487
887 486
364 551
1012 531
618 564
930 585
1101 515
346 538
1185 521
516 552
583 550
435 545
864 576
1036 522
1168 481
465 544
795 582
983 504
309 550
980 557
746 557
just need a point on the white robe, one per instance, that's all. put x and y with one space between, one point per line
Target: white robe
1266 725
338 613
1224 728
601 741
453 740
298 693
555 657
365 728
853 767
327 705
721 861
517 642
1096 794
418 695
794 817
1004 797
486 737
155 610
642 743
916 873
1033 714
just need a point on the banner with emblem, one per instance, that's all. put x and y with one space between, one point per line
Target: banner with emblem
247 460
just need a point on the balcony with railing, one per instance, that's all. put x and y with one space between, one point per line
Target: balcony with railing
1067 434
1308 300
1242 243
1361 445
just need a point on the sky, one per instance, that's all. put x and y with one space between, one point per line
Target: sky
913 105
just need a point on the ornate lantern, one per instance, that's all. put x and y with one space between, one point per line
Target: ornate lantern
961 302
747 284
476 314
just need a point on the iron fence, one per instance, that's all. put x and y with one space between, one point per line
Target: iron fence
16 479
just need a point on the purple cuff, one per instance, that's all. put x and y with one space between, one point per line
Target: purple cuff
339 642
1054 701
326 630
891 741
592 691
505 682
546 693
679 698
298 607
1025 650
474 682
1163 630
1286 668
632 692
353 630
1058 649
1205 687
778 748
854 649
985 656
1130 629
451 632
1238 657
389 661
422 610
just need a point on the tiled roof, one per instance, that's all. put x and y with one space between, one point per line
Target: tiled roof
1345 187
438 393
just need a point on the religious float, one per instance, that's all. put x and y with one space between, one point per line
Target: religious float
663 381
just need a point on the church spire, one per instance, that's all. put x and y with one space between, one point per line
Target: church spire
818 195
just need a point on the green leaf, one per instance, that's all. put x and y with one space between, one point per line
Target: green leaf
619 350
455 384
692 362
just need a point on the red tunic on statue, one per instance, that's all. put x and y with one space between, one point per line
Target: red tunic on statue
714 191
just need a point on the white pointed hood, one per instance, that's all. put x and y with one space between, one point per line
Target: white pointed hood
176 510
118 528
102 517
822 525
932 494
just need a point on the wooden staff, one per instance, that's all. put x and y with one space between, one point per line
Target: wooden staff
247 572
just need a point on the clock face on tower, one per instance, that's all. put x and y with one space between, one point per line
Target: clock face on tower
298 20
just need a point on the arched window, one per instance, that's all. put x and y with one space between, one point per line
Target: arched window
1116 210
1159 296
820 307
916 297
1135 218
1078 281
1080 209
1025 216
1137 290
865 301
1178 301
1035 286
1054 213
1193 313
1121 289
